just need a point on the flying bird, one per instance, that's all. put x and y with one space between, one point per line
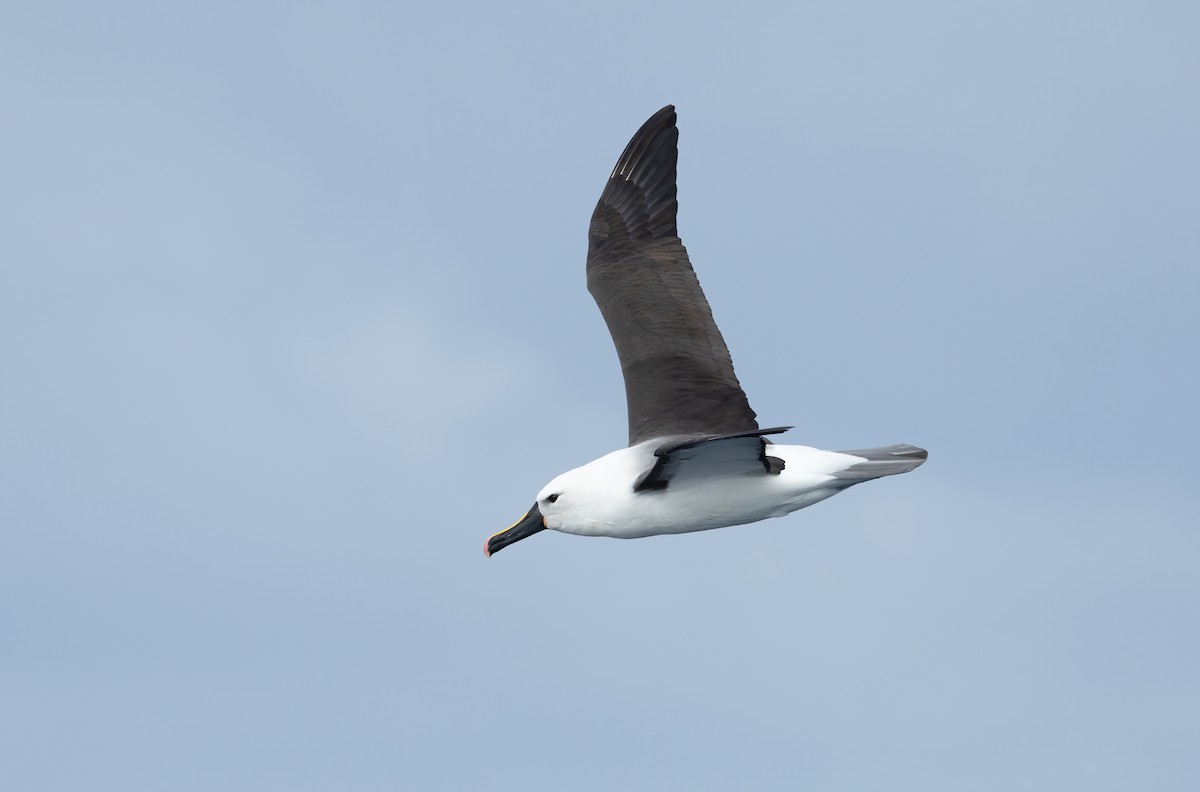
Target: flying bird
697 458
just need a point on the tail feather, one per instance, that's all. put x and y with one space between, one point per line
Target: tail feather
885 461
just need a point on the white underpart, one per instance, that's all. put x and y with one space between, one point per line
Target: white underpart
598 498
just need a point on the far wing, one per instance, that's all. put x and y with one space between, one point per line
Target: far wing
726 455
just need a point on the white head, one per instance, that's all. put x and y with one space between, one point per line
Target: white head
574 502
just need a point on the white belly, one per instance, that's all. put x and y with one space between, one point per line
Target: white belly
707 497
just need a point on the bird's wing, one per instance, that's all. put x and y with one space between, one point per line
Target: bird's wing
726 455
679 378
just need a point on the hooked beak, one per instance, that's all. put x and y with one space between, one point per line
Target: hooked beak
531 523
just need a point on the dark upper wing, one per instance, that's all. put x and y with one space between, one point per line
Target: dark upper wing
679 379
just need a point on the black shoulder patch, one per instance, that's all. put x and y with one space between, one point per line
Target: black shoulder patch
773 464
649 483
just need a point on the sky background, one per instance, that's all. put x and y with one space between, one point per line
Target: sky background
292 317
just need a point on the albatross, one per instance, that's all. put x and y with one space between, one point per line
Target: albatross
696 458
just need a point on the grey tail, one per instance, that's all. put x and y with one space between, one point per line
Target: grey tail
885 461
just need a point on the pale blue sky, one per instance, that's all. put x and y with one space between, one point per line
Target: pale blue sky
292 316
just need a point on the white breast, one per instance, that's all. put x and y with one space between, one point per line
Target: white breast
599 499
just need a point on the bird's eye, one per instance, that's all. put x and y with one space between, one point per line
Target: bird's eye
552 498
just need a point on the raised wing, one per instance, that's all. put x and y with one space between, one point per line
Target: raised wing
679 378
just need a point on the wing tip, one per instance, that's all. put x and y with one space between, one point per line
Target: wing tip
639 199
646 145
